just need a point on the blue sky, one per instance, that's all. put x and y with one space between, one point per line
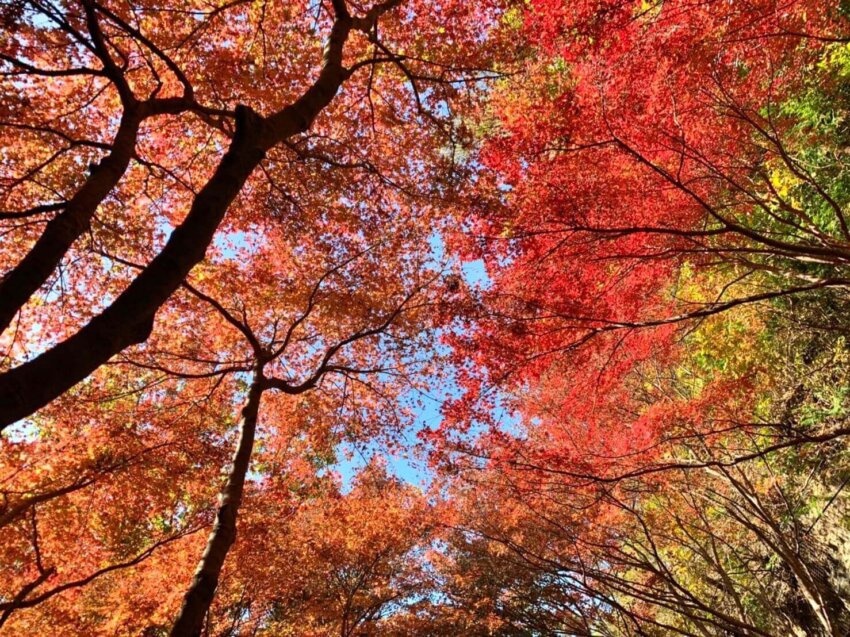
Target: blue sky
403 464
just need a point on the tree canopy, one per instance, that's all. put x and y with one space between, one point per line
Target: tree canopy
424 317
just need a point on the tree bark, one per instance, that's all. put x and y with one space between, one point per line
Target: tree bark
21 282
198 598
129 320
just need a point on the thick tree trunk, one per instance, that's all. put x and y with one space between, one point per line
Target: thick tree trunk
198 598
20 283
130 318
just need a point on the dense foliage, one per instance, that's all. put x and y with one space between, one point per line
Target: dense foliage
244 242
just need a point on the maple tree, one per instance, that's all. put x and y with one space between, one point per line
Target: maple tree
185 405
654 165
665 204
731 521
655 144
104 58
124 152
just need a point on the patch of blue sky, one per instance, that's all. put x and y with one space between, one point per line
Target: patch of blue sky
405 460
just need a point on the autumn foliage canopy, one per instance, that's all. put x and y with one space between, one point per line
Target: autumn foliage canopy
424 317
